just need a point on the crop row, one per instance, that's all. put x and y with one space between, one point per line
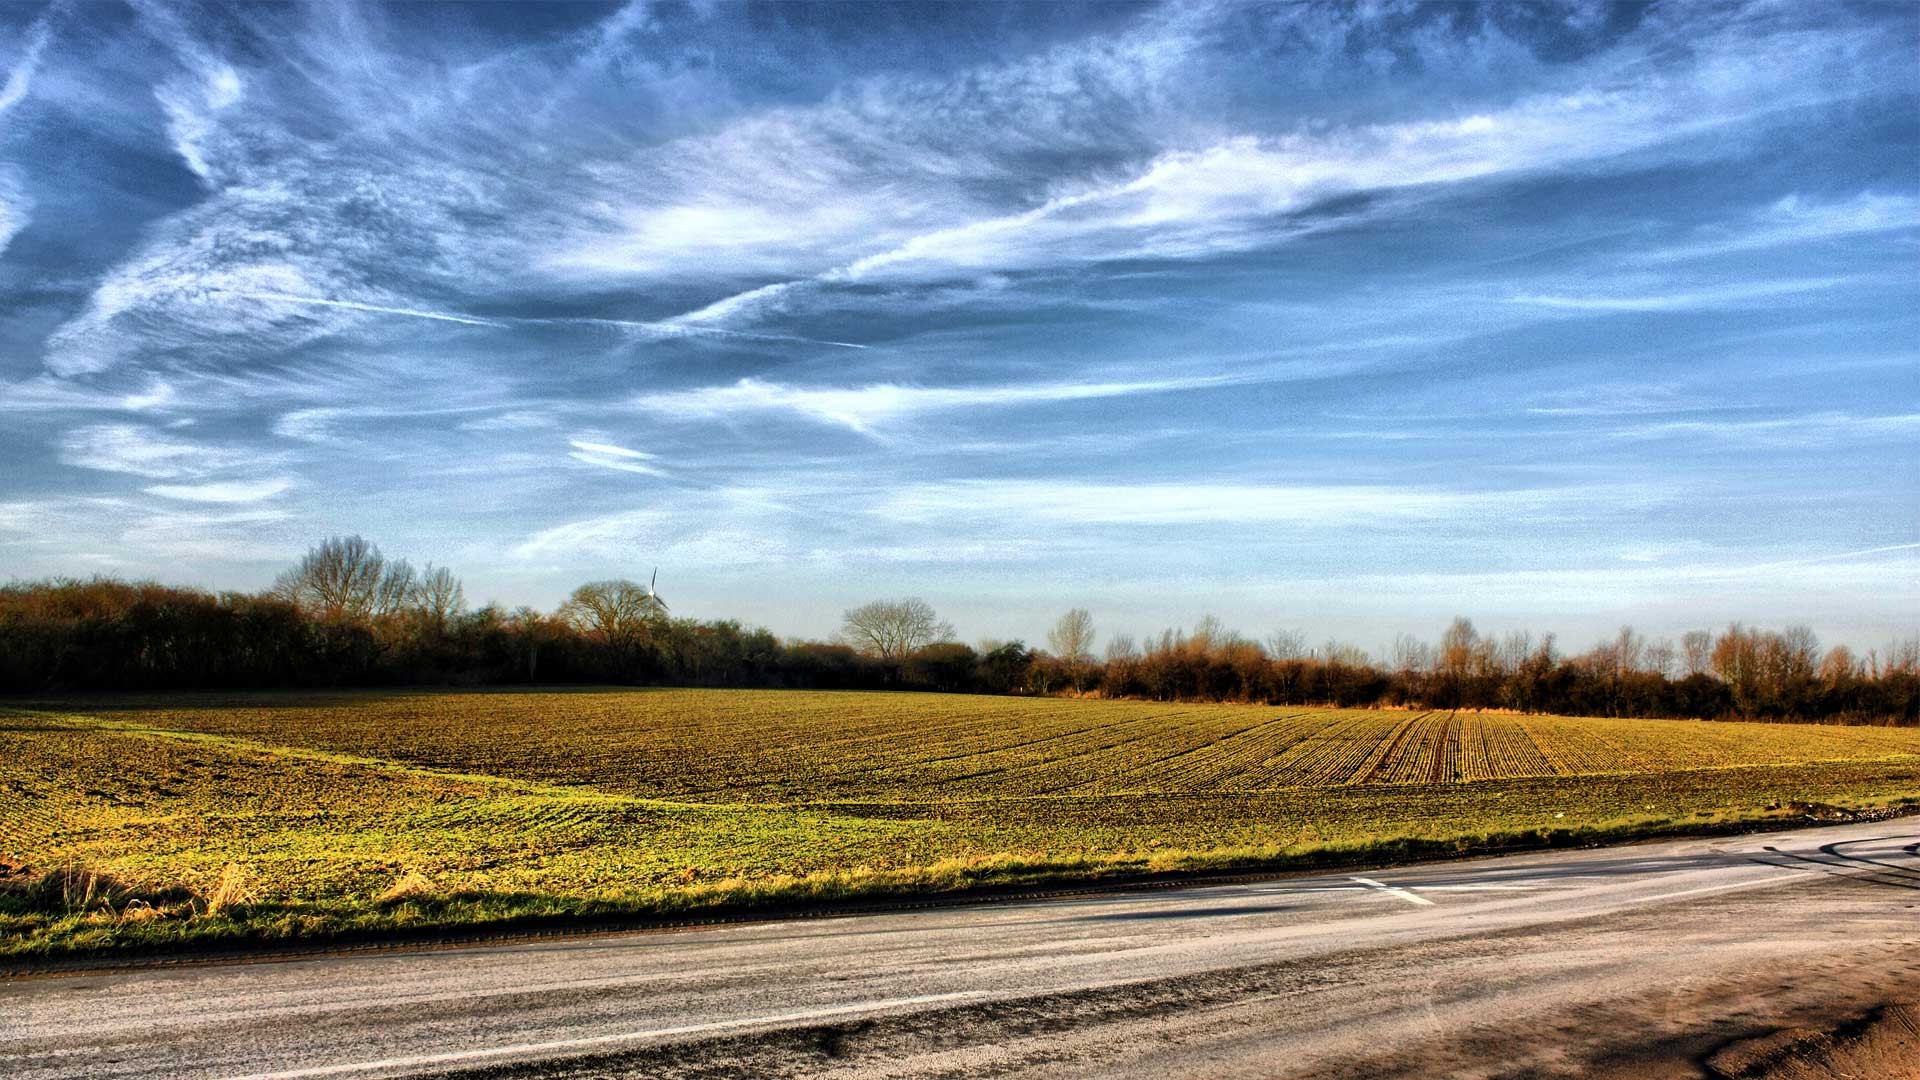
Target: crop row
784 747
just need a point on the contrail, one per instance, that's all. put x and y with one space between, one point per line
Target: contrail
1837 556
676 329
353 305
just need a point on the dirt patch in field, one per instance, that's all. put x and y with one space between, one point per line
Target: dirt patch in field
1883 1045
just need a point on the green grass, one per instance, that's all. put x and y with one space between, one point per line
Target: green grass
128 823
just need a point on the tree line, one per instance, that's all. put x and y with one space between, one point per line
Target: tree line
346 615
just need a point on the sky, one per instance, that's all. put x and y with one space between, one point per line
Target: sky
1340 318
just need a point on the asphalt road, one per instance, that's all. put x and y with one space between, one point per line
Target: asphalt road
1630 961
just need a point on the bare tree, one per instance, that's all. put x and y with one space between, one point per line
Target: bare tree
620 613
1121 648
1288 645
1409 654
532 630
1800 649
1696 652
1903 657
1629 650
1211 634
347 577
1514 651
1660 657
1071 639
1344 654
894 629
439 596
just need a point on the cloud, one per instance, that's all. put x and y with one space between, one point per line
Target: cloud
136 537
143 451
1798 220
1681 300
868 408
731 528
224 491
20 73
16 206
1158 504
512 420
1249 191
1807 429
609 456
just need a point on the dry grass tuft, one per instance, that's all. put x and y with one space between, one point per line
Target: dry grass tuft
229 893
412 885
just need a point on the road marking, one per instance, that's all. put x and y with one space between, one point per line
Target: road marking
1762 883
1399 892
457 1056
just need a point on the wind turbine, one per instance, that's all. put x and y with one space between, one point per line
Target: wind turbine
653 597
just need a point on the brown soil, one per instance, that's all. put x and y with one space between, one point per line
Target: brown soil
1883 1045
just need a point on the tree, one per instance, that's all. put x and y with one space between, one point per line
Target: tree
1736 660
531 630
1409 655
1003 668
439 597
1660 657
1457 646
346 577
1211 633
894 629
1839 667
1629 650
619 613
944 665
1288 645
1696 651
1071 639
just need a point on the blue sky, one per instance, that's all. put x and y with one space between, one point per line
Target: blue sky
1306 316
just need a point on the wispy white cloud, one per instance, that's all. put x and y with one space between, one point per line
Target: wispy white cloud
683 328
1678 300
44 393
16 207
143 451
868 408
21 71
1157 504
512 420
1806 429
731 528
1242 192
1797 220
610 456
223 491
139 536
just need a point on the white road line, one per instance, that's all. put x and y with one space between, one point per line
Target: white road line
1762 883
1401 893
1477 888
458 1056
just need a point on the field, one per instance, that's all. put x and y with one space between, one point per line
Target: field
130 821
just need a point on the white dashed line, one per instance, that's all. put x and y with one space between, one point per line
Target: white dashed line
1399 892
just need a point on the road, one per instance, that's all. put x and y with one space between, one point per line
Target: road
1630 961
